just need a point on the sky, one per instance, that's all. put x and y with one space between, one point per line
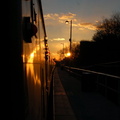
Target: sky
85 15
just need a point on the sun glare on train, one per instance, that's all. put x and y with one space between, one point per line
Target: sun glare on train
32 55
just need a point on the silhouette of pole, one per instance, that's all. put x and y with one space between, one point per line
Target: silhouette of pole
70 36
70 39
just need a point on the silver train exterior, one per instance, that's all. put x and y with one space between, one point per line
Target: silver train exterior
32 70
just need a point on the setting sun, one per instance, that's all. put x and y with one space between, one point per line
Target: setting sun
68 54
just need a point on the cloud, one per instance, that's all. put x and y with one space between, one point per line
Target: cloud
61 18
58 39
85 25
51 16
89 26
67 16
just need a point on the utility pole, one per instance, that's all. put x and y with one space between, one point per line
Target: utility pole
70 36
70 39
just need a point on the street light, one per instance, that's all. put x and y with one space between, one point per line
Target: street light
70 39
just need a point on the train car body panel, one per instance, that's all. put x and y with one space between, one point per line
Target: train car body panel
33 62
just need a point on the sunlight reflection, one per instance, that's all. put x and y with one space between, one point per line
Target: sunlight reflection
30 68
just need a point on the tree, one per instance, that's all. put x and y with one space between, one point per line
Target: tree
108 29
62 52
107 38
75 50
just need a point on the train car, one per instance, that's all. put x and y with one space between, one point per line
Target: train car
31 63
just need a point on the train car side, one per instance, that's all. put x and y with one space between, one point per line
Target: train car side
31 72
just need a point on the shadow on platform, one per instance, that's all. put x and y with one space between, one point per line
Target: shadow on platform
70 103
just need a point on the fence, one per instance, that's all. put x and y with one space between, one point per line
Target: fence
106 84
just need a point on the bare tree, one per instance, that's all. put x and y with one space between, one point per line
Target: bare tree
108 29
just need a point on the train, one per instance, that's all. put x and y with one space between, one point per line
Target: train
31 64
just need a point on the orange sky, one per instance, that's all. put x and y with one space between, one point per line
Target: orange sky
85 15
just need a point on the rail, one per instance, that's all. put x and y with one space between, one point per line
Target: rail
103 83
94 72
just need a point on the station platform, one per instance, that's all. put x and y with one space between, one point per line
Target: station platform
62 107
70 103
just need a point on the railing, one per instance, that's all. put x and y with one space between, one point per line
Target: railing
106 84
